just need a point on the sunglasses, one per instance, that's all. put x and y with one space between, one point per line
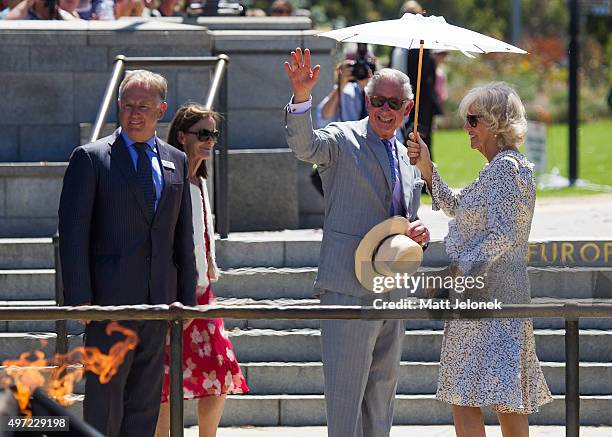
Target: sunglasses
205 134
393 102
472 119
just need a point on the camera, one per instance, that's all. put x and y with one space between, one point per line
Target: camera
360 69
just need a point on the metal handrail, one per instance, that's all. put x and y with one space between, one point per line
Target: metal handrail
177 313
218 89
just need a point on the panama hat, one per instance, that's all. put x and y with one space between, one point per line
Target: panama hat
385 251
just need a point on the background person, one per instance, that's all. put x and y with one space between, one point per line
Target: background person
346 100
491 361
210 369
126 238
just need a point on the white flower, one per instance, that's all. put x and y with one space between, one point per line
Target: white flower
196 336
230 354
211 328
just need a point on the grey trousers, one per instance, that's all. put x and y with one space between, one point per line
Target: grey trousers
361 365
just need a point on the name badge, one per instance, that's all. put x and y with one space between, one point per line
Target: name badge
168 164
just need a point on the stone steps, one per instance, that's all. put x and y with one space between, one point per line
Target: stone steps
26 253
415 378
420 409
306 378
302 345
262 345
297 282
286 282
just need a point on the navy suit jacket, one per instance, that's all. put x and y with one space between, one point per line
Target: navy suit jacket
112 251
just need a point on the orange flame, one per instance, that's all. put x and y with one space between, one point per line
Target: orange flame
59 375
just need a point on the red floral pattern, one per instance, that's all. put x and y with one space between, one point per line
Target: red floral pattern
209 365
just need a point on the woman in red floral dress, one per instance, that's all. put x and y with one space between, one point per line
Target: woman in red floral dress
210 369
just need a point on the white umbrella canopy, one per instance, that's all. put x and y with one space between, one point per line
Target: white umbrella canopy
411 29
414 31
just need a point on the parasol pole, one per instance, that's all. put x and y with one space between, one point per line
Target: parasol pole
418 94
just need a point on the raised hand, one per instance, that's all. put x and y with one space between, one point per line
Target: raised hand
302 76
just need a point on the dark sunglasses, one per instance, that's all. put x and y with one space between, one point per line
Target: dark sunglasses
205 134
472 119
393 102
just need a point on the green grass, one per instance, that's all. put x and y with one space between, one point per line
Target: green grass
459 164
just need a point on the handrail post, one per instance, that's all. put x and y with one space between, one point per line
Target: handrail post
176 378
61 341
572 382
108 95
223 218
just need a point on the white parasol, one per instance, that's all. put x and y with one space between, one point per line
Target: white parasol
414 31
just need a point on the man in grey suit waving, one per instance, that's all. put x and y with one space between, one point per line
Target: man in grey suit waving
367 178
126 238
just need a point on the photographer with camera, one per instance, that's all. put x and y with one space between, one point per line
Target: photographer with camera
346 102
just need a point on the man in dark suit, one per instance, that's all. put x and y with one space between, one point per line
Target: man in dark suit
126 237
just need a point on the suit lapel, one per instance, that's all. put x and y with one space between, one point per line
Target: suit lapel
167 173
121 158
378 148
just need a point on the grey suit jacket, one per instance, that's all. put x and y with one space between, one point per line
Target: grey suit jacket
356 178
112 251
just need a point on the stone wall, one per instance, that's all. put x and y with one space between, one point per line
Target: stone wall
53 76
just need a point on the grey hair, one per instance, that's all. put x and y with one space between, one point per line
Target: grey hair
150 80
390 74
501 110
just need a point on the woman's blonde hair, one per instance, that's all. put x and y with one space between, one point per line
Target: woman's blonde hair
500 108
186 116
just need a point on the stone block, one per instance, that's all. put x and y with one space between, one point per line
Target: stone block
245 410
14 58
50 33
193 87
562 282
47 143
146 32
2 197
256 41
253 23
302 411
28 284
9 143
64 58
267 283
421 410
234 254
289 378
138 50
267 72
89 90
253 207
24 253
32 197
36 98
256 128
27 227
302 253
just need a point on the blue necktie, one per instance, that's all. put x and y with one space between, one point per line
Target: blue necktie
389 149
144 175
